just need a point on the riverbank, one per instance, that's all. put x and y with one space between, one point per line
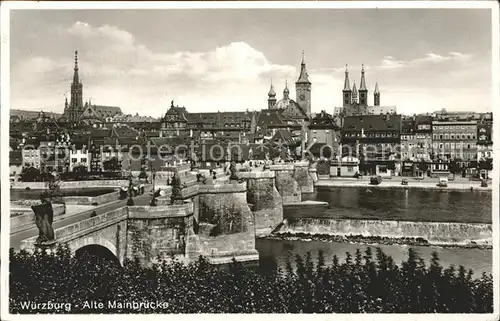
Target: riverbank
389 232
395 183
372 240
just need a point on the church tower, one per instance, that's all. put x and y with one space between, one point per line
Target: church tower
271 97
363 91
354 100
346 92
75 107
376 95
303 88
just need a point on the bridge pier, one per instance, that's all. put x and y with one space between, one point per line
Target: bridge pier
302 175
286 184
267 205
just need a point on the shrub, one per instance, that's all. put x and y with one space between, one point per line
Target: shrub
364 283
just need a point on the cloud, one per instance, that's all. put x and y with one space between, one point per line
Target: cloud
389 62
117 69
112 58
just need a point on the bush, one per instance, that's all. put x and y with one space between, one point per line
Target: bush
366 282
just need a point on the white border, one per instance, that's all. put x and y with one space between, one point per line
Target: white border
4 136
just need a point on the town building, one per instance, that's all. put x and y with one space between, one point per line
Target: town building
323 136
374 139
15 164
455 140
423 136
408 139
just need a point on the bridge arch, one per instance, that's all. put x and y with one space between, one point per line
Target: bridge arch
99 251
97 245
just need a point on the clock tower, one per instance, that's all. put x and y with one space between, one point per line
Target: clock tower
303 88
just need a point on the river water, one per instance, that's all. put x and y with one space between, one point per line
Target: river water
391 204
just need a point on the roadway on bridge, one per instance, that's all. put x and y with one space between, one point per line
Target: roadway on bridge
16 238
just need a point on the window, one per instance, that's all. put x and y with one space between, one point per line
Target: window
73 160
84 160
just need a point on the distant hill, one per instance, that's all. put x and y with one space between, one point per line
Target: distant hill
30 114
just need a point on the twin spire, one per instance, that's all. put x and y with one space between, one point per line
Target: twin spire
362 87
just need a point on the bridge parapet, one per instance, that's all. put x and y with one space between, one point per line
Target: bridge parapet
223 188
77 230
153 212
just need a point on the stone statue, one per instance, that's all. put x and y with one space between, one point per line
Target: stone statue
156 194
176 188
232 170
172 104
44 216
55 193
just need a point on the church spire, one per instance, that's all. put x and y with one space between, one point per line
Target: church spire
363 83
346 92
271 100
271 93
354 93
304 77
76 79
363 91
347 86
286 92
376 95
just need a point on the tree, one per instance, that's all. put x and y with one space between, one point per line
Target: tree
112 164
30 174
423 166
454 167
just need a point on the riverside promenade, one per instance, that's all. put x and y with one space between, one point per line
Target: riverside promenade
458 184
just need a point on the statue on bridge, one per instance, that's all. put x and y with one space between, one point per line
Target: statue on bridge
55 193
176 189
232 170
44 216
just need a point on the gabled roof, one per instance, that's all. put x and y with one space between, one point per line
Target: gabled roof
283 136
107 111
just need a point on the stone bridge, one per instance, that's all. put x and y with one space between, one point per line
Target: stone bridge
219 221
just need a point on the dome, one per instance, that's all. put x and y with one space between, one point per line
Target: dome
286 91
271 92
283 103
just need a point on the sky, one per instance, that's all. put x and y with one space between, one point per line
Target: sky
225 59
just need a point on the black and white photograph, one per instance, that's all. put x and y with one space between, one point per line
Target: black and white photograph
284 158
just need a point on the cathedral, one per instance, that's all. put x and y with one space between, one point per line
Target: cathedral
355 101
76 111
300 109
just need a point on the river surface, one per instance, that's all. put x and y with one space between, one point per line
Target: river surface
390 204
401 204
282 251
